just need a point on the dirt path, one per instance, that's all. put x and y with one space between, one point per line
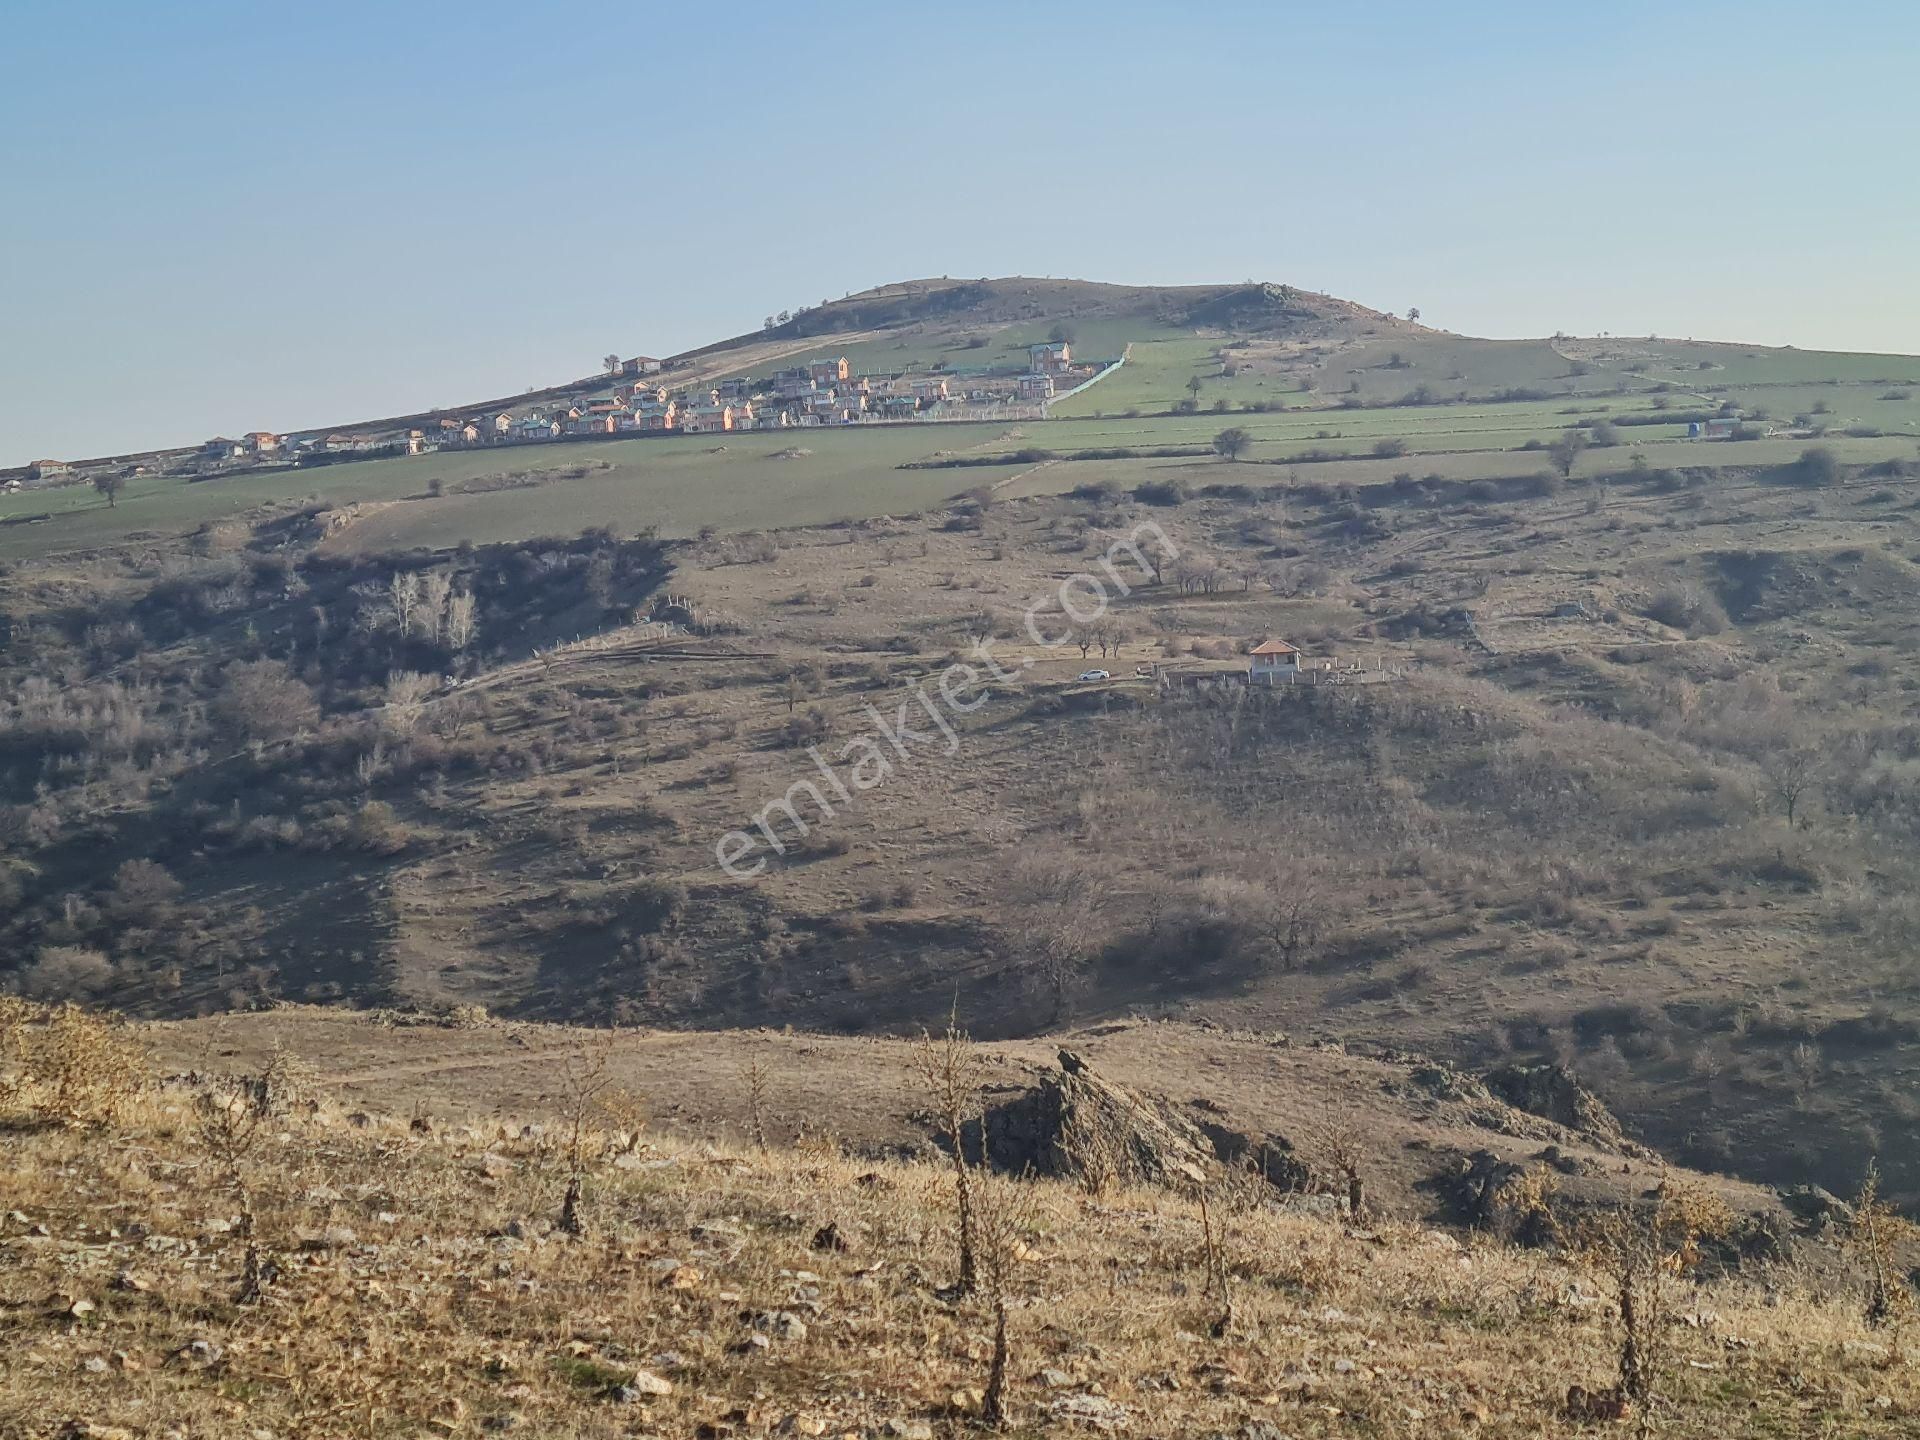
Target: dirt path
413 1069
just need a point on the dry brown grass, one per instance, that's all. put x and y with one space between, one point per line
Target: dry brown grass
420 1289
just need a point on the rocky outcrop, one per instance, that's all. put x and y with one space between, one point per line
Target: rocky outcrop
1816 1209
1485 1192
1552 1093
1075 1123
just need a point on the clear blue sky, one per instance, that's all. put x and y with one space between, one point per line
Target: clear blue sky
220 217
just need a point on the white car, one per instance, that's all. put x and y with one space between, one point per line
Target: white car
1095 675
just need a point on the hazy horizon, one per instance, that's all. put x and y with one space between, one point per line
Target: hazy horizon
233 223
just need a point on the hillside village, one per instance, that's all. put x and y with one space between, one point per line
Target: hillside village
636 399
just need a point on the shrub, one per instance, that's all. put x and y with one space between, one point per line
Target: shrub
1817 465
1161 492
1685 608
67 972
656 904
65 1065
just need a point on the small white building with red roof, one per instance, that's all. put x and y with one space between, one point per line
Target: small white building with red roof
1273 662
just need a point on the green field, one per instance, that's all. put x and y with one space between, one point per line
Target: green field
681 485
1463 465
677 485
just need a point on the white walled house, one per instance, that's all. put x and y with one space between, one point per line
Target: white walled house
1273 662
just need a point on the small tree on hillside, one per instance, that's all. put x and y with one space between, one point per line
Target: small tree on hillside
110 486
1194 386
1232 443
1565 452
1791 772
585 1078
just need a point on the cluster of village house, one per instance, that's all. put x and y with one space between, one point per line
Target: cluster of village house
821 392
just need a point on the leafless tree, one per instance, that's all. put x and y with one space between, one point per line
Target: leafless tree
1335 1139
406 694
403 596
1791 771
229 1122
461 619
754 1075
1060 901
436 587
266 700
1005 1210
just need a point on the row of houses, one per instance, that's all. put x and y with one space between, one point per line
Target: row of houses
823 391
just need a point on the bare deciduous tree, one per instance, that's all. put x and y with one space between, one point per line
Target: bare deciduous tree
406 694
461 619
403 596
1791 771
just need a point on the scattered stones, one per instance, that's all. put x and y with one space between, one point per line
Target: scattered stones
780 1325
1093 1410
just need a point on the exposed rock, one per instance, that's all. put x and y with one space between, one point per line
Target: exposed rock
1815 1207
1552 1093
1445 1083
1489 1193
1075 1123
1271 1157
780 1324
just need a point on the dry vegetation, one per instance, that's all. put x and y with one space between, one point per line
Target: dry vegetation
238 1253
